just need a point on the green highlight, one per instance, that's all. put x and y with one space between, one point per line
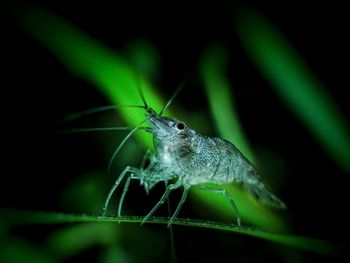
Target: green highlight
92 61
144 57
69 241
218 89
298 242
248 208
295 83
20 250
213 69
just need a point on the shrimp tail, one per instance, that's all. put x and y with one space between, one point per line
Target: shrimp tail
263 195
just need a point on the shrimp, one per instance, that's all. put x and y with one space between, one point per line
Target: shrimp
189 159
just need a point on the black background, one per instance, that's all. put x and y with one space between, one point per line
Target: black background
36 91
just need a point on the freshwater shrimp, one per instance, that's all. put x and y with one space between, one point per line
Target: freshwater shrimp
190 159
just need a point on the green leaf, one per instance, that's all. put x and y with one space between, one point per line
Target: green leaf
296 84
91 60
144 57
213 68
69 241
17 217
15 250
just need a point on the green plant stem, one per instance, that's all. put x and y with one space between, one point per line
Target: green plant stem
16 217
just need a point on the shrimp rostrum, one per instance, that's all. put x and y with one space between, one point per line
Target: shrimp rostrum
189 159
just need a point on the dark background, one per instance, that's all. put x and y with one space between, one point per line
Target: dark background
37 91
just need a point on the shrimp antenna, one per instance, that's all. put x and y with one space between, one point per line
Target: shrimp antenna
176 92
77 115
138 127
102 129
99 129
139 88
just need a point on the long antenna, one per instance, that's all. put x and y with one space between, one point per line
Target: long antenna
102 129
122 144
139 88
176 92
76 115
99 129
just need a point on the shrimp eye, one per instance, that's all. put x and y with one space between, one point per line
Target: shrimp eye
180 125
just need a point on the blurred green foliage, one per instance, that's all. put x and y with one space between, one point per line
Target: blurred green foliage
144 57
92 61
118 78
296 84
214 74
20 250
77 195
72 240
